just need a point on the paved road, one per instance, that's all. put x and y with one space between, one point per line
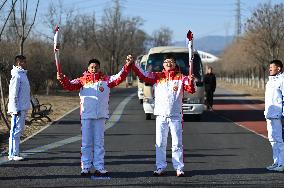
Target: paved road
218 152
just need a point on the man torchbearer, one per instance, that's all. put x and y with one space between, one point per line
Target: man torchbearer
94 87
169 87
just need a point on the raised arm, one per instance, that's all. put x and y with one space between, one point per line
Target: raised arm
116 79
67 84
148 77
188 84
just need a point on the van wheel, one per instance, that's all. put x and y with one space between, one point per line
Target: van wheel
148 116
191 117
197 117
186 118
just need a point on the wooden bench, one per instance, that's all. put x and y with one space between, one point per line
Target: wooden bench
40 111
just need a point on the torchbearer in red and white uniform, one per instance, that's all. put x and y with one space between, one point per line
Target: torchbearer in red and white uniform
94 94
169 86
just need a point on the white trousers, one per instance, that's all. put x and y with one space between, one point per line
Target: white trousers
17 128
274 129
163 124
92 149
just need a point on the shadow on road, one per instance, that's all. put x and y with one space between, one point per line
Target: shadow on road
230 171
242 115
39 165
231 95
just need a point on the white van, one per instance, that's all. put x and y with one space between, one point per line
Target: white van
193 104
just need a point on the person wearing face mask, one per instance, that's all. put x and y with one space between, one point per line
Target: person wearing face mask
94 94
169 86
274 92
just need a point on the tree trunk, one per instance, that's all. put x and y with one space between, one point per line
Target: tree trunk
2 106
2 97
264 77
22 46
47 89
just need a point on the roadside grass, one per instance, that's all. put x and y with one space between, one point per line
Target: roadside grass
62 102
242 89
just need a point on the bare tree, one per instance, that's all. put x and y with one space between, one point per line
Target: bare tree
265 33
262 41
118 35
109 33
2 4
21 24
3 107
162 37
7 17
2 75
54 15
132 38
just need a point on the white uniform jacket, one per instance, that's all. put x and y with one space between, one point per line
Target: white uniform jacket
19 91
274 93
94 92
168 90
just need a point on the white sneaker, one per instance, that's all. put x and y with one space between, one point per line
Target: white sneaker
271 167
279 168
15 158
159 172
180 173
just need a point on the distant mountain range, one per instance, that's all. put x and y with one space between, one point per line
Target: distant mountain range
211 44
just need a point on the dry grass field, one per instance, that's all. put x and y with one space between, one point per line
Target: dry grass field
244 89
61 104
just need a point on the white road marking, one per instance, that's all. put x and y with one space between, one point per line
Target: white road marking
240 125
110 123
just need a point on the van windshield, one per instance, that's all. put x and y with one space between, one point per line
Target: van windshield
155 64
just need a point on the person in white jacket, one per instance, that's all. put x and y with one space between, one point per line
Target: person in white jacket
19 104
169 86
274 93
94 95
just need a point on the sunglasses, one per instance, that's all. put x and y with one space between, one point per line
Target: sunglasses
169 61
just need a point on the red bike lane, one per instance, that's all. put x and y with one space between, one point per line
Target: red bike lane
243 110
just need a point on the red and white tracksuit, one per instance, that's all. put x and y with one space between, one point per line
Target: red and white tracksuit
168 91
274 93
94 110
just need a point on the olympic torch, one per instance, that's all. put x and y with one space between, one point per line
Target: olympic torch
190 52
56 49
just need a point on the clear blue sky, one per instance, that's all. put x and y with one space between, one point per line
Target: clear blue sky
202 17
